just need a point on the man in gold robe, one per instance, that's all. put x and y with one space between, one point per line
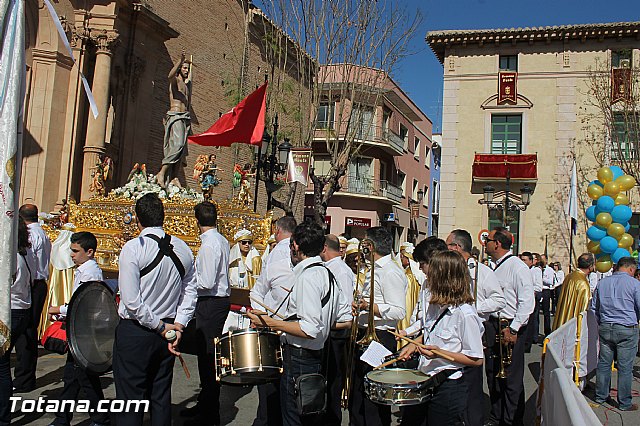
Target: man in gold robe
576 292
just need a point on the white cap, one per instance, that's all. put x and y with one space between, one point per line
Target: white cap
243 234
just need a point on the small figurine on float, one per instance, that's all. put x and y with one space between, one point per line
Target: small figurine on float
205 171
240 180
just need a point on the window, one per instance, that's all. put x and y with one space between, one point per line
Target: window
414 190
506 134
404 135
513 224
425 197
321 165
386 118
402 183
621 58
416 148
508 62
363 115
360 176
383 170
427 158
435 193
625 137
325 116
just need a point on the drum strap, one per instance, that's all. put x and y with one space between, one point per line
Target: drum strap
324 300
165 248
503 261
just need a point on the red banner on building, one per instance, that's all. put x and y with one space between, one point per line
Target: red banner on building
360 222
415 211
298 168
620 84
497 166
507 87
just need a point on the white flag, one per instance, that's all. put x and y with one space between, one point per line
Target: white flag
572 207
12 74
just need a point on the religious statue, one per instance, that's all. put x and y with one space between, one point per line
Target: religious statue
99 175
177 121
138 174
205 171
240 180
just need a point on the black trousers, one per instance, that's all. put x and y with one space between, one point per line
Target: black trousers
546 310
507 395
77 378
20 319
142 369
337 346
27 344
269 412
446 407
362 411
534 323
211 313
474 413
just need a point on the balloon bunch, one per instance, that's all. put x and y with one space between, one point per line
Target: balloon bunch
610 212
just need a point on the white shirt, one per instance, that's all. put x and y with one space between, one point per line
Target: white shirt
275 282
558 278
161 293
88 271
41 247
21 286
460 330
547 277
212 265
490 297
311 285
536 276
419 311
517 283
390 287
344 275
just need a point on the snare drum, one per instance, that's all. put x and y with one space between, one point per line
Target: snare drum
397 386
248 357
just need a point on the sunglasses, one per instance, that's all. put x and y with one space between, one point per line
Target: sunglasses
245 242
489 239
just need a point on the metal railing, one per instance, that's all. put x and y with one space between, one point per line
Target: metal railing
361 132
373 187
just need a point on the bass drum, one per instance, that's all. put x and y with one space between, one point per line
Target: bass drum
92 317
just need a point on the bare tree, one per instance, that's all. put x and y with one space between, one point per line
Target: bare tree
355 46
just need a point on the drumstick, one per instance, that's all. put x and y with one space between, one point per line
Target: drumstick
171 336
384 364
423 346
267 308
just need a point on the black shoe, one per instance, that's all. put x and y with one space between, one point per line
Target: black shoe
201 421
190 412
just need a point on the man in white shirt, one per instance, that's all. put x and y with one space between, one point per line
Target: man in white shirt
271 288
548 276
27 344
157 294
507 395
486 289
389 307
317 305
534 319
83 248
338 338
212 309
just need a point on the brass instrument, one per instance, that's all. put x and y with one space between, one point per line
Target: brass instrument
506 349
361 268
370 335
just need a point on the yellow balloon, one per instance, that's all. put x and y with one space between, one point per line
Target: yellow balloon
616 230
621 199
603 264
626 241
605 175
626 182
595 191
593 247
611 189
604 219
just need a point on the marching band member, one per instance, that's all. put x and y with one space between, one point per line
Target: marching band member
486 290
452 326
271 288
531 260
244 261
390 285
415 278
507 395
212 309
157 294
318 304
351 255
338 338
271 243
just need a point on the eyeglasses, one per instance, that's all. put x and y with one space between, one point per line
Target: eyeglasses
245 242
489 239
453 245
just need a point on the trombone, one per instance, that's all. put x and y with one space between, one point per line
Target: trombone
366 249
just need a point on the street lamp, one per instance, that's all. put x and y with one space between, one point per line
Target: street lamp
488 192
525 194
272 163
506 200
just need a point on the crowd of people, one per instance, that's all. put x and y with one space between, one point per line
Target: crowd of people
465 320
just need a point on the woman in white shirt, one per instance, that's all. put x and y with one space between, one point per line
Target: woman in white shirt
20 313
451 326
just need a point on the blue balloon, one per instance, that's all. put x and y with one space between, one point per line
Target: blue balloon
620 214
606 204
608 244
619 254
591 213
597 182
627 227
595 233
617 172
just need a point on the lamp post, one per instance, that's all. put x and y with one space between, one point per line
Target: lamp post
272 163
510 201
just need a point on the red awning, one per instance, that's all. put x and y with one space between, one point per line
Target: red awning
496 166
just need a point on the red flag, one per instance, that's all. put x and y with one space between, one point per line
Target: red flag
243 124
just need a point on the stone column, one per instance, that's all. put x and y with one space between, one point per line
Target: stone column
96 127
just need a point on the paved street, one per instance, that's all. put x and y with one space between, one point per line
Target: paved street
238 404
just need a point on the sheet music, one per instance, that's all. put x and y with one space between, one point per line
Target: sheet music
375 354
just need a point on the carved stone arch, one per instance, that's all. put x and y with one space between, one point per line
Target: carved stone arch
31 29
46 38
492 103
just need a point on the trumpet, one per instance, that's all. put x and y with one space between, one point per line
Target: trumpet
370 335
506 349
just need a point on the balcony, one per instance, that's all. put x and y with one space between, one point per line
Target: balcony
367 187
384 138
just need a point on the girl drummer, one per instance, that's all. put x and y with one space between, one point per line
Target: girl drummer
451 326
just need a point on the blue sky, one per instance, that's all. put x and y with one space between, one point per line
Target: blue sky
420 75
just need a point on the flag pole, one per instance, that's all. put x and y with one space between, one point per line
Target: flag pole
255 191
